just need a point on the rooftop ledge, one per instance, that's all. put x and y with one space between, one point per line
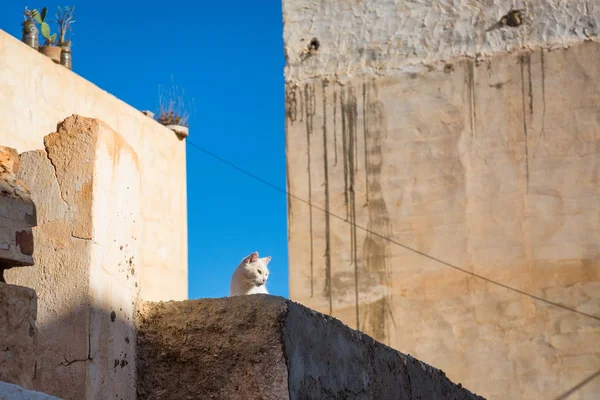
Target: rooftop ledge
272 348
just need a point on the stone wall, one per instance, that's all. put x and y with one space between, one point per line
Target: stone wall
36 94
86 188
424 145
18 304
266 347
17 214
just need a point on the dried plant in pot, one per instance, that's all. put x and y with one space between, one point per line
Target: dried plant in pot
49 48
29 32
173 111
65 20
174 122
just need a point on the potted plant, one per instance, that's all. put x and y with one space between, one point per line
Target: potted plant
65 19
175 122
49 48
30 34
173 111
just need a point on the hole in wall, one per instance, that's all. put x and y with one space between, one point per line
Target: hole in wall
314 45
513 18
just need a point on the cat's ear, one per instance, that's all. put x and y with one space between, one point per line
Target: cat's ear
252 257
266 260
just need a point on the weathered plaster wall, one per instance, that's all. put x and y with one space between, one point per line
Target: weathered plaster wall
86 187
379 36
266 347
36 94
491 164
115 284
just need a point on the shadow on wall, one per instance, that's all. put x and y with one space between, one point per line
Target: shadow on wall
86 354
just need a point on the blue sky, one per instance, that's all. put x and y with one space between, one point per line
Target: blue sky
228 56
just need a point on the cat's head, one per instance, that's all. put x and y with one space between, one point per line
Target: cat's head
255 269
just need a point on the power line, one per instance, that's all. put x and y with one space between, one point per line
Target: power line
577 387
433 258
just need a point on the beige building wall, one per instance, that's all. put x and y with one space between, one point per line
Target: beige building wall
429 137
36 94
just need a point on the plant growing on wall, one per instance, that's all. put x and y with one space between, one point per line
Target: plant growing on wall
30 34
173 110
170 117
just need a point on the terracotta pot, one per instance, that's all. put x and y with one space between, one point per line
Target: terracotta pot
181 131
53 52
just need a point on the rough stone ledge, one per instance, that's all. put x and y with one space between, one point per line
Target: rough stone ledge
271 348
10 186
17 214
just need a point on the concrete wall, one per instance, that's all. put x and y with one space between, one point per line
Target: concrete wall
86 188
489 162
266 347
36 94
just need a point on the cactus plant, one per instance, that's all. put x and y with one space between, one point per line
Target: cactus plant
40 18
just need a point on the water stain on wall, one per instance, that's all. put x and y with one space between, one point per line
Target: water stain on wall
525 59
349 109
325 83
366 281
309 107
344 148
335 154
366 146
543 71
369 278
291 115
470 84
291 104
376 250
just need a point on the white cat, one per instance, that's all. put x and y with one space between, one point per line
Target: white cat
250 277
